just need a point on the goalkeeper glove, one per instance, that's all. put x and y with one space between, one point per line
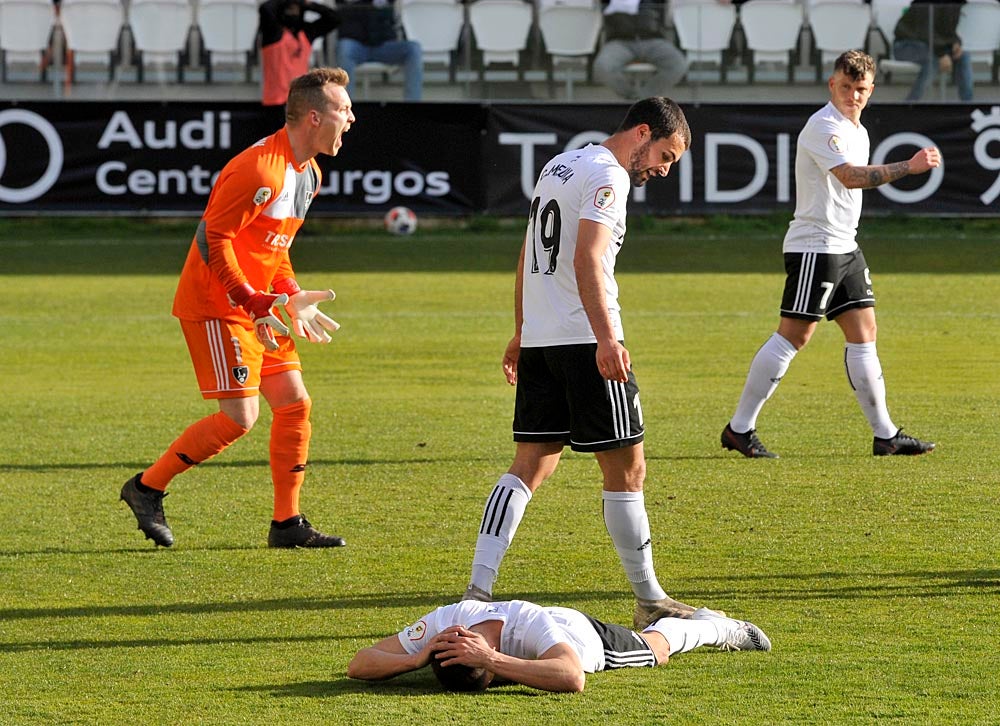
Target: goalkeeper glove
307 321
258 305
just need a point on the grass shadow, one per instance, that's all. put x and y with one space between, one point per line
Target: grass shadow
416 683
375 600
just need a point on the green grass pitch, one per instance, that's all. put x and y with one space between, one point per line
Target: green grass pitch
877 579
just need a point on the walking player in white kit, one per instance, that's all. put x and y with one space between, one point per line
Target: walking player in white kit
827 272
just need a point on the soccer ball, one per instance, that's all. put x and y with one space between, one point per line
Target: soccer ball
400 220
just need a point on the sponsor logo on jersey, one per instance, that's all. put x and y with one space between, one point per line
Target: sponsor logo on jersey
279 241
837 144
262 195
604 197
241 373
416 631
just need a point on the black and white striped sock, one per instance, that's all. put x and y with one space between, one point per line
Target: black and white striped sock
501 516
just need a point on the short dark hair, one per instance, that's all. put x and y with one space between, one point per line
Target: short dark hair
458 677
855 63
305 93
663 116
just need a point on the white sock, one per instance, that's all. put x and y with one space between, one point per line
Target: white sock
766 371
683 634
627 523
503 513
864 373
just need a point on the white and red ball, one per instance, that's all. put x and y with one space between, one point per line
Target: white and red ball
400 220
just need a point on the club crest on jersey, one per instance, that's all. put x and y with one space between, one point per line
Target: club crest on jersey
837 144
604 197
262 195
241 373
416 631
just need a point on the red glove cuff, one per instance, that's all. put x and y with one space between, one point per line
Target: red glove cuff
287 286
241 293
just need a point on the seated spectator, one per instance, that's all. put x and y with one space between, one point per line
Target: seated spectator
368 33
910 44
634 32
286 43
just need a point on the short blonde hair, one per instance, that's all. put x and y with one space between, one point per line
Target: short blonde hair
306 92
855 63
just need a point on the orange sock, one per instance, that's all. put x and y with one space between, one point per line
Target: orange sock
290 432
200 441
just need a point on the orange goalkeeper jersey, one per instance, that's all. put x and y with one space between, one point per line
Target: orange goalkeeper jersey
257 205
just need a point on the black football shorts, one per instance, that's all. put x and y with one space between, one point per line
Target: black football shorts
819 284
623 648
562 397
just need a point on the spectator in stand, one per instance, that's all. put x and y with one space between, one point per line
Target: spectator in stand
368 33
910 44
634 32
286 43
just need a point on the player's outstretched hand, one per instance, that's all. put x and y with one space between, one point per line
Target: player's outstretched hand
259 306
925 160
307 321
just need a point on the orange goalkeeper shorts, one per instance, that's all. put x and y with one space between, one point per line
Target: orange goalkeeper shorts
229 360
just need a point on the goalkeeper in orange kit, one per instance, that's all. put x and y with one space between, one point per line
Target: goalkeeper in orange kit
236 277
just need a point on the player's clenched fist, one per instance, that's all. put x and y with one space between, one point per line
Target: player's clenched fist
925 160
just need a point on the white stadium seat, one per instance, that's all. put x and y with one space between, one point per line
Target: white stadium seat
160 30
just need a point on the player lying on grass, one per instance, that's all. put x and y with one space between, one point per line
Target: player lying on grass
471 644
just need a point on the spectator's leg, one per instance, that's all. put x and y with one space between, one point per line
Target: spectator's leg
671 65
962 71
609 65
408 54
350 54
915 51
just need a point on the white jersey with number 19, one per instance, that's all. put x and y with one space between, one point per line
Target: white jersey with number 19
586 183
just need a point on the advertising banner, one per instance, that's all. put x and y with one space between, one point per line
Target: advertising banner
742 158
457 159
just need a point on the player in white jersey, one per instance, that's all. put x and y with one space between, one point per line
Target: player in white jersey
826 271
573 374
551 648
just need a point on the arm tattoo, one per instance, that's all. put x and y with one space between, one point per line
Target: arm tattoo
879 175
